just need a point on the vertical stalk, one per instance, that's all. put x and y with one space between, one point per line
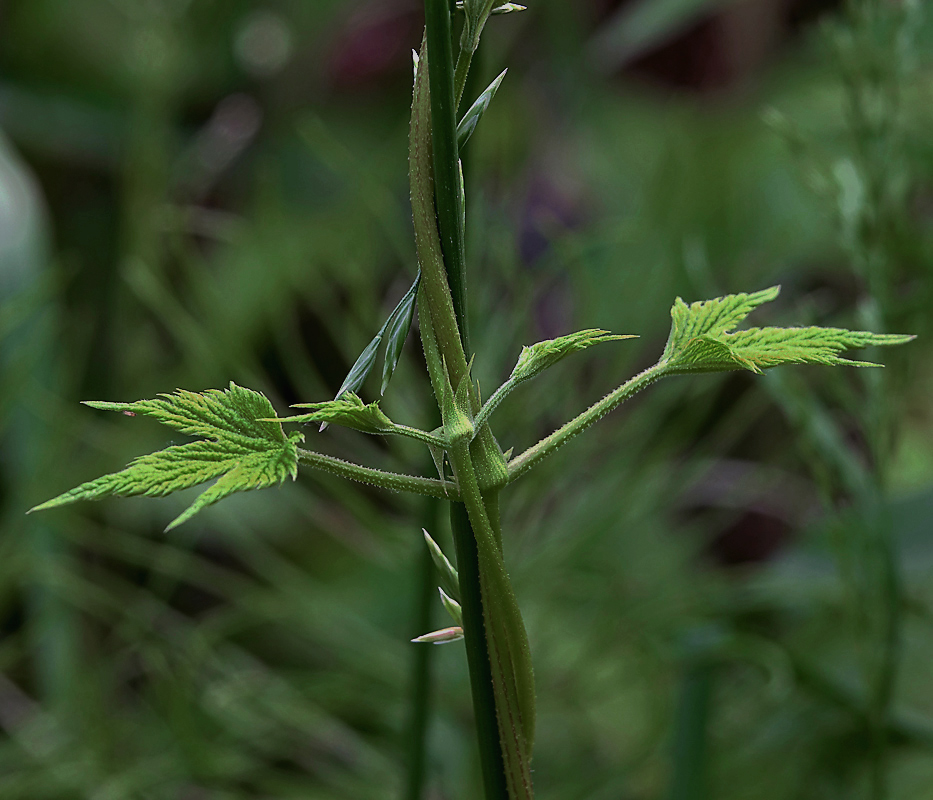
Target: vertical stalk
448 206
691 736
474 632
446 157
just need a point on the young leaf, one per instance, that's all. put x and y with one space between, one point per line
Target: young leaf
703 339
396 332
351 412
242 445
543 355
475 114
348 411
539 357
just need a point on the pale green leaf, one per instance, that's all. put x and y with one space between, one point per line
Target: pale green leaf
543 355
350 412
535 359
242 445
703 339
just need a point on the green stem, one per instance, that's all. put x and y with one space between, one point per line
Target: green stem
394 481
420 436
439 241
506 639
691 738
474 634
446 157
493 403
464 60
519 465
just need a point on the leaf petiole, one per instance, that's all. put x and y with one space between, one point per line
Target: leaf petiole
394 481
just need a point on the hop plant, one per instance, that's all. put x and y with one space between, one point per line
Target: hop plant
242 446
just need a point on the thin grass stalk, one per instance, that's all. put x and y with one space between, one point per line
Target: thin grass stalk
691 735
422 663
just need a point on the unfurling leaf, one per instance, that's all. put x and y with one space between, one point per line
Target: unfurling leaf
539 357
535 359
703 339
350 412
242 445
475 114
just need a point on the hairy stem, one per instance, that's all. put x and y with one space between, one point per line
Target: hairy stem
396 482
519 465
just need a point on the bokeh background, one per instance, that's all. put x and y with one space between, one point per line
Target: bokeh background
727 587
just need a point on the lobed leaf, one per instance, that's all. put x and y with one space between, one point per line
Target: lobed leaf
243 447
350 412
543 355
703 339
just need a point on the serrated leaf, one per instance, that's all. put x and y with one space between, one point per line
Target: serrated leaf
703 339
475 113
396 332
538 357
543 355
712 317
243 446
350 412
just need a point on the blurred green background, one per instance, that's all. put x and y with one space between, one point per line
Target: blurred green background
727 588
